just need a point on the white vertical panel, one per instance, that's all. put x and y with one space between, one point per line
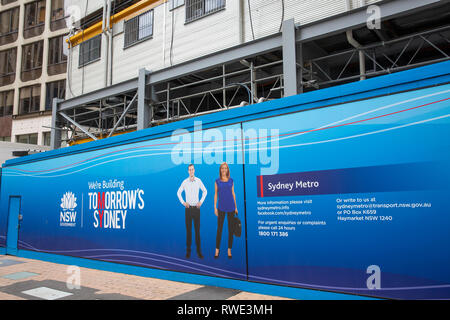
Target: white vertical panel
267 15
204 36
88 78
146 54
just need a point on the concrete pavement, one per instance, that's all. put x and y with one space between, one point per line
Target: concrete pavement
27 279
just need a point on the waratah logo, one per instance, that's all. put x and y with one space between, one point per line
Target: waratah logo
68 201
68 215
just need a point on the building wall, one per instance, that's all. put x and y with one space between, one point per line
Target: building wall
35 119
209 34
39 125
5 126
91 77
267 15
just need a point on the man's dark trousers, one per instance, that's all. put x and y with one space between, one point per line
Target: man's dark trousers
193 215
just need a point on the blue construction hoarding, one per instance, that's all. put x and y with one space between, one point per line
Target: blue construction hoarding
349 198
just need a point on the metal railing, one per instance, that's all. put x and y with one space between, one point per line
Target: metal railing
379 60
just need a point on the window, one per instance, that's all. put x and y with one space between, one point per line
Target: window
57 20
34 18
5 139
8 66
32 61
6 103
46 136
27 138
196 9
139 28
55 89
57 55
30 99
173 4
4 2
9 25
90 50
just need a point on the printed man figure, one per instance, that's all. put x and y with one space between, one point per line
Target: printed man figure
191 187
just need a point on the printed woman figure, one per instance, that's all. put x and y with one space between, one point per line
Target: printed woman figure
224 187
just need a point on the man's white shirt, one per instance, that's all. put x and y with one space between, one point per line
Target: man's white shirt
191 190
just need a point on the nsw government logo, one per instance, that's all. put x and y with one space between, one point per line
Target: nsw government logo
68 215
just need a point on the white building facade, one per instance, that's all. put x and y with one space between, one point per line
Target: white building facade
177 31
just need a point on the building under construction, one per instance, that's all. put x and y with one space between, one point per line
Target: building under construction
137 64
